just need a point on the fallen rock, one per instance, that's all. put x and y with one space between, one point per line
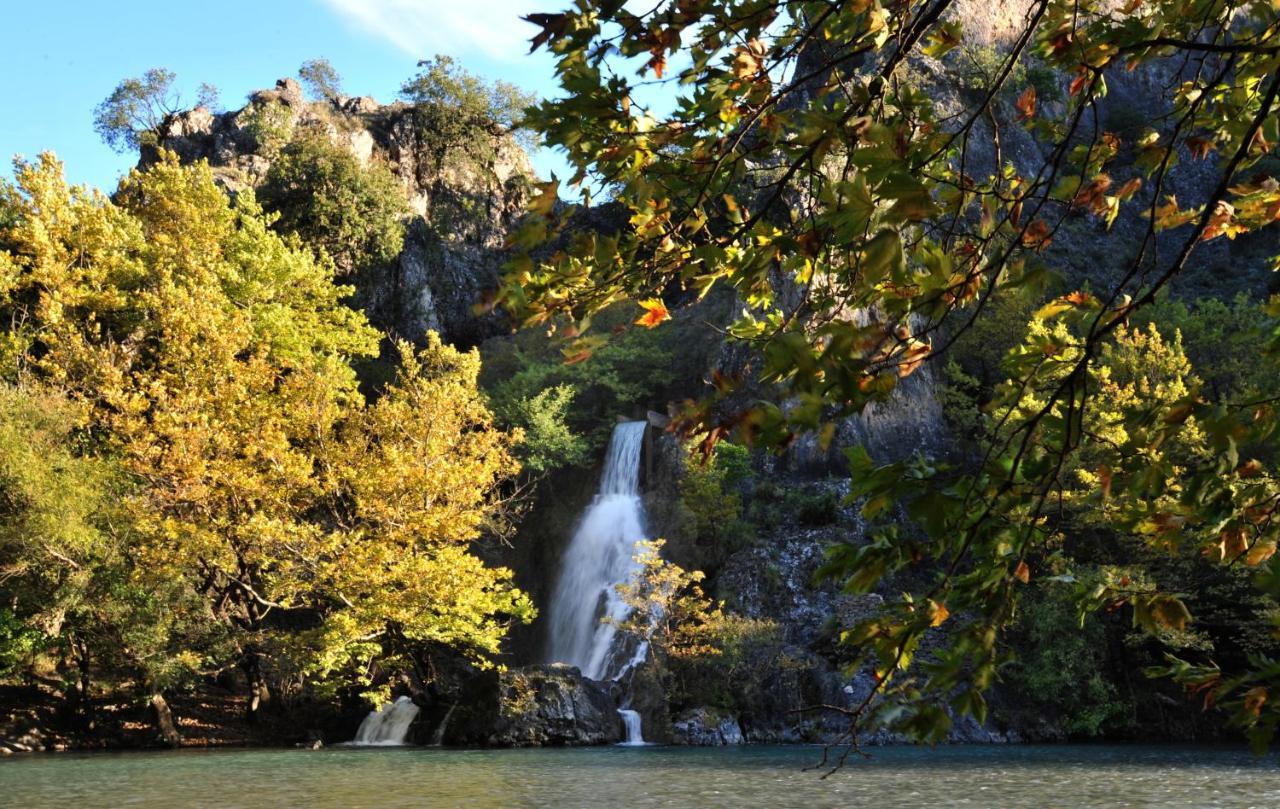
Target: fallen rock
705 727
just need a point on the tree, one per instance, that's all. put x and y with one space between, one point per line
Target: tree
461 109
211 359
320 79
699 647
131 116
60 546
400 560
322 193
800 166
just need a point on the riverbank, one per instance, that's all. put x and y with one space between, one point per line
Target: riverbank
35 718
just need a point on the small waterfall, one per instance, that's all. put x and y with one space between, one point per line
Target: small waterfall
632 720
599 558
388 726
437 738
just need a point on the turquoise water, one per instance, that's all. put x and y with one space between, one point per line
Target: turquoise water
773 777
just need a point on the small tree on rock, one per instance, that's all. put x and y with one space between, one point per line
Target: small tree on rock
320 79
131 116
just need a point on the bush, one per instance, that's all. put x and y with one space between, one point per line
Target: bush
711 506
774 506
638 370
705 655
270 124
323 194
549 443
1061 665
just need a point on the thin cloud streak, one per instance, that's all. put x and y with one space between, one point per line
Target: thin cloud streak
423 28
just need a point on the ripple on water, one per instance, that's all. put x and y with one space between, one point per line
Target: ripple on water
1041 776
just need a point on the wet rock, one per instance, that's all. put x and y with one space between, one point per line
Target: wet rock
704 727
642 692
553 705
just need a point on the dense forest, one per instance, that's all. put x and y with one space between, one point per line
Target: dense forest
952 328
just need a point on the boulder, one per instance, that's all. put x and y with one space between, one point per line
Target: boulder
290 92
361 105
705 727
553 705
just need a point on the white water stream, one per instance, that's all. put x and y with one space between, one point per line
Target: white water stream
601 556
388 726
632 721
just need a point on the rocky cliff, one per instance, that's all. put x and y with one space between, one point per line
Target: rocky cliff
462 206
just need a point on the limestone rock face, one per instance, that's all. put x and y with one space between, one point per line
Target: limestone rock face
463 206
553 705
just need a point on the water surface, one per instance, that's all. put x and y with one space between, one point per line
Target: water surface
602 778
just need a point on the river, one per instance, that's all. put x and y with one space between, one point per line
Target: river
605 778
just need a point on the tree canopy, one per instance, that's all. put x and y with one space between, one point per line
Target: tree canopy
322 193
321 79
218 467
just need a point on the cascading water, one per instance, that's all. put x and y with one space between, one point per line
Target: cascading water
599 558
388 726
631 720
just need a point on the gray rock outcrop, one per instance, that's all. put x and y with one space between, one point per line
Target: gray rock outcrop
704 727
462 207
553 705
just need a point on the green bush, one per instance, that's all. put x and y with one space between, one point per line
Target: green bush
270 125
19 642
711 506
1061 665
978 68
774 506
549 443
1125 120
637 370
323 194
815 508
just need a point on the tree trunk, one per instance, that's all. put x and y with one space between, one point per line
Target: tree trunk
163 718
74 666
259 694
84 709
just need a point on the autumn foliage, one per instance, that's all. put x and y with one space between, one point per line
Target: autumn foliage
245 483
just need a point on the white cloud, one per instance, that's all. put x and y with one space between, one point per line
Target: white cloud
423 28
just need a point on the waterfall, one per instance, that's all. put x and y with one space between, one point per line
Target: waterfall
389 725
632 720
599 558
437 738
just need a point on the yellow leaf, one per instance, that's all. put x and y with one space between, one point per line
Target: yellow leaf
655 313
938 613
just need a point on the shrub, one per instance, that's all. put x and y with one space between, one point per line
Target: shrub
711 506
323 194
1061 665
549 443
774 506
637 370
270 124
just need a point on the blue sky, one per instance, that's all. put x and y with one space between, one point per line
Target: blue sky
61 57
